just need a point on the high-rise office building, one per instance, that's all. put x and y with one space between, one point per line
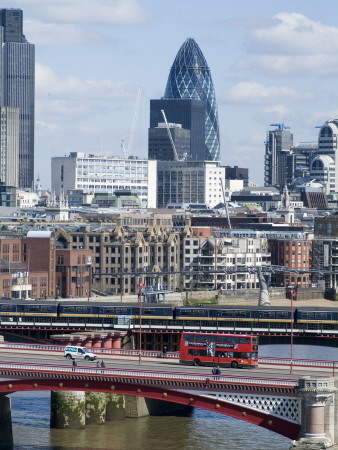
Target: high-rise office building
17 79
160 146
188 113
277 147
9 146
189 182
190 78
298 161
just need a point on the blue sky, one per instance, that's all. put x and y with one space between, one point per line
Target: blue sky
271 62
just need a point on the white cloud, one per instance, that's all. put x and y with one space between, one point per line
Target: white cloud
292 44
42 126
56 34
293 33
321 64
320 117
253 93
72 88
116 12
61 110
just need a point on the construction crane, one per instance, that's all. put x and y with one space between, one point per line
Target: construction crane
225 205
126 151
280 126
170 136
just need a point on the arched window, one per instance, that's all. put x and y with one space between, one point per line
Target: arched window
326 132
317 165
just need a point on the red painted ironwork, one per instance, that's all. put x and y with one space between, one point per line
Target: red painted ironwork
161 388
231 409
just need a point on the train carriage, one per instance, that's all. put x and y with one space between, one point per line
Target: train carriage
29 308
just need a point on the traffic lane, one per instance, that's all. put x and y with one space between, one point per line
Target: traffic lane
145 361
165 366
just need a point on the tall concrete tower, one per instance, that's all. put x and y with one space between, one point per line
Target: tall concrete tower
17 83
277 147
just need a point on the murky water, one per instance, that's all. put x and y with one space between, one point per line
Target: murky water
202 430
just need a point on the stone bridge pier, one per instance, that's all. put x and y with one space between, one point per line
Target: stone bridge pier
319 413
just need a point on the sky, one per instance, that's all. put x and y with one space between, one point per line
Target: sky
271 62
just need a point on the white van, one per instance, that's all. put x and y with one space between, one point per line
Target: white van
73 352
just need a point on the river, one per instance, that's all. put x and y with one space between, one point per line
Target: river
202 430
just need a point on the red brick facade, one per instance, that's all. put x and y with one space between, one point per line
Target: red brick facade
295 254
33 267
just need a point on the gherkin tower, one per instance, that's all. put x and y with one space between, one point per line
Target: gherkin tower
190 78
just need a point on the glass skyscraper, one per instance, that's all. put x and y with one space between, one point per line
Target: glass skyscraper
190 78
17 81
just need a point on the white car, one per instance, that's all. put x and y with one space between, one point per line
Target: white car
73 352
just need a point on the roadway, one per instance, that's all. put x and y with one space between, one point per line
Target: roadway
159 365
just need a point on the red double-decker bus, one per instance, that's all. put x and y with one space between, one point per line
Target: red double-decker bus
224 350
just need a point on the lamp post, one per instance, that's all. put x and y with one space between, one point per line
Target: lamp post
140 286
89 266
291 341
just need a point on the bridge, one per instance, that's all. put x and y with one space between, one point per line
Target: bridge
301 408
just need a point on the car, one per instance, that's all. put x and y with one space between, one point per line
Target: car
73 352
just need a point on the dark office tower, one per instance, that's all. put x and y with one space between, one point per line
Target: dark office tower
17 61
160 145
190 78
190 114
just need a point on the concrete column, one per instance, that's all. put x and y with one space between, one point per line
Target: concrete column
115 409
6 435
108 342
97 342
95 408
314 393
116 343
136 407
88 343
67 410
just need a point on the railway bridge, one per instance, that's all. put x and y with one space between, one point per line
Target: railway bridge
303 410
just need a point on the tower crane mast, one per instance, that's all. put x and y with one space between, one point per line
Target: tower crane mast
170 136
127 151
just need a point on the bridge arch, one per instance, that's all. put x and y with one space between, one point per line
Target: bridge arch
209 400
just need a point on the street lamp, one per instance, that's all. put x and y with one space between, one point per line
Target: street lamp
89 266
291 341
140 286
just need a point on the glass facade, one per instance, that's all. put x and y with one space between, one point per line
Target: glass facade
190 78
160 147
186 112
17 63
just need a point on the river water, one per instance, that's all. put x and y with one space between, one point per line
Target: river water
202 430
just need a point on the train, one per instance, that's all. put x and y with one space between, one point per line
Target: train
106 314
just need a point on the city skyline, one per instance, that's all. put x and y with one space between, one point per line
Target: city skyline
269 64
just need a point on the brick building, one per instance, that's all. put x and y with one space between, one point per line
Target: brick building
73 273
32 266
296 254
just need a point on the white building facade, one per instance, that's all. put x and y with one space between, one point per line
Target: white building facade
93 173
328 146
222 263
